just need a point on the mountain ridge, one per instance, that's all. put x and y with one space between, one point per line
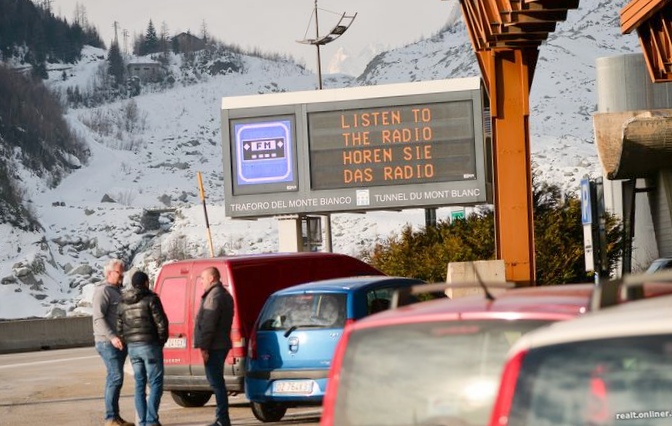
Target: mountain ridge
100 210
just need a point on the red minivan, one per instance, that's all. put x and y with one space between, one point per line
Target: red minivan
437 362
250 279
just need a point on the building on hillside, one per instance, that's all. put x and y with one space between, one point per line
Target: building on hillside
147 72
186 42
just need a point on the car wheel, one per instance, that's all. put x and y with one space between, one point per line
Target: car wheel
190 399
268 411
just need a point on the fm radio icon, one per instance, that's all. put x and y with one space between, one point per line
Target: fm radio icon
264 152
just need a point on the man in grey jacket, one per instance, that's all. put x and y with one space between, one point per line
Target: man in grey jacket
212 334
106 298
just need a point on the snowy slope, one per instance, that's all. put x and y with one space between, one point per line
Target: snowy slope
155 166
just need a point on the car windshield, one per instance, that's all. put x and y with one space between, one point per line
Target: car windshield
432 373
312 310
659 265
600 382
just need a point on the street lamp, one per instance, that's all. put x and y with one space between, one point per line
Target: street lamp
341 26
338 30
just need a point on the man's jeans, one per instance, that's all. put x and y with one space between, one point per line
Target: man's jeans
114 363
147 362
214 371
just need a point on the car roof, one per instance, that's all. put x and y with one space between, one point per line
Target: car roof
544 302
242 258
641 317
344 284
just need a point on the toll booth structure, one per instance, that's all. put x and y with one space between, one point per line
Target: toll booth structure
633 133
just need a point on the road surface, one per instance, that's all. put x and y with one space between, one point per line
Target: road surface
65 387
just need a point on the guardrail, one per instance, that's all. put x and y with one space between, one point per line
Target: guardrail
41 334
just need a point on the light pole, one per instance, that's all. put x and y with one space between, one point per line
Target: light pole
341 26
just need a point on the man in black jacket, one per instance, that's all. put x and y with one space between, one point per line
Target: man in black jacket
212 331
143 326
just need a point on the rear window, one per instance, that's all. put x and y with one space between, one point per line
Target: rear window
315 310
424 374
603 382
173 294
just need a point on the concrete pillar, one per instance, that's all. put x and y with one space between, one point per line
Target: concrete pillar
290 238
490 271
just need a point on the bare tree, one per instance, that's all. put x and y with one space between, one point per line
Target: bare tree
204 32
164 42
80 17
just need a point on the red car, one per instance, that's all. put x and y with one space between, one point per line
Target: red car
437 362
250 279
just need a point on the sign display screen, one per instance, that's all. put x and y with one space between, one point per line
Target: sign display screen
263 151
408 144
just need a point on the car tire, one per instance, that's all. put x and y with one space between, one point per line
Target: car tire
191 399
268 411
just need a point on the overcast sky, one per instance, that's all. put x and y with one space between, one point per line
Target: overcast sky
274 26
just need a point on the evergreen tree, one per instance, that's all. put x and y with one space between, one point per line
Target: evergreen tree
152 44
139 45
116 68
47 38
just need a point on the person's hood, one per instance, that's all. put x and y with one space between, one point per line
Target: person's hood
134 295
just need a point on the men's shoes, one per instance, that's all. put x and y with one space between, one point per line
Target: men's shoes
122 422
118 422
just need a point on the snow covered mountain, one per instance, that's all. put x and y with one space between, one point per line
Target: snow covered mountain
100 210
343 62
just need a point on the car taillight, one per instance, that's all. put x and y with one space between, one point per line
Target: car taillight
334 378
252 345
507 390
238 343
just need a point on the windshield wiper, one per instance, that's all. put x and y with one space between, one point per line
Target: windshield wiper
294 327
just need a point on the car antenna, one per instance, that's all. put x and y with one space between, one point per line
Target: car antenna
488 295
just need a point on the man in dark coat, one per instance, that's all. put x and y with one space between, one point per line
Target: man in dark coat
212 331
143 326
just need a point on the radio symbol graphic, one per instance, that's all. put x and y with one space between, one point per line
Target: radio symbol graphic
263 149
264 152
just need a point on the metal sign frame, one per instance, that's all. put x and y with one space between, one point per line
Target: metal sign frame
410 128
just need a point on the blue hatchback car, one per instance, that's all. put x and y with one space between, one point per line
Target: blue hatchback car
295 336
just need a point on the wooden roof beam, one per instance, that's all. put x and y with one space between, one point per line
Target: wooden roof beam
521 38
527 27
548 4
653 21
543 15
637 12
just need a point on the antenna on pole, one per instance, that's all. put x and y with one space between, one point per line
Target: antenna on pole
124 33
116 27
338 30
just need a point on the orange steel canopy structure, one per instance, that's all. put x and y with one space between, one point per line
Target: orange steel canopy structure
506 35
653 21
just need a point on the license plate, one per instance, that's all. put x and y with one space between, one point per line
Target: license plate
293 386
176 343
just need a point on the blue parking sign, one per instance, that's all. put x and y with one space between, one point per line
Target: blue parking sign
586 209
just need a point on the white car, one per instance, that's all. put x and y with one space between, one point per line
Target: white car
610 367
659 265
